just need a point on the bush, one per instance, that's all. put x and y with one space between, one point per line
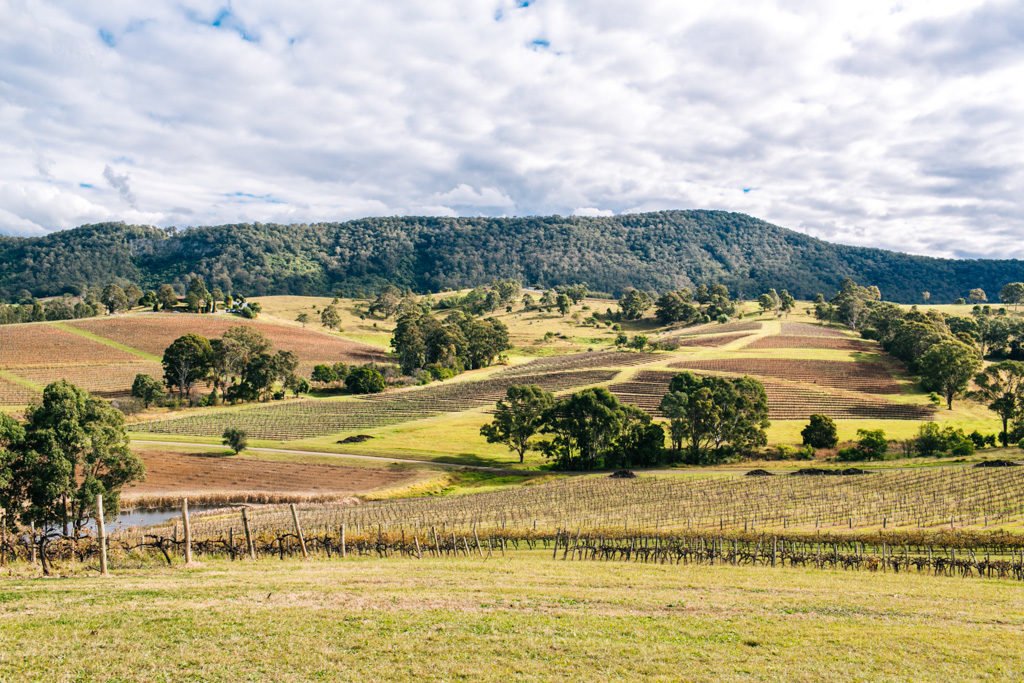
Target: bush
820 432
235 439
933 440
365 380
871 444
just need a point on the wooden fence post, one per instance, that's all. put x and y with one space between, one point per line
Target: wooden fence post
343 550
32 528
3 537
298 532
249 545
186 522
101 535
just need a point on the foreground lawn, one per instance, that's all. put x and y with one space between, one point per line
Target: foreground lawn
521 617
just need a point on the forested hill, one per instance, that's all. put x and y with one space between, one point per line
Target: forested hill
656 251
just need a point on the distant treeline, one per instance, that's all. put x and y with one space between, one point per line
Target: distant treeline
660 252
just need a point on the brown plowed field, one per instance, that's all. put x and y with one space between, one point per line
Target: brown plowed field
45 344
154 332
173 474
786 400
871 378
720 328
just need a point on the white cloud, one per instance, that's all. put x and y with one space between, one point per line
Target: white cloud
870 123
591 211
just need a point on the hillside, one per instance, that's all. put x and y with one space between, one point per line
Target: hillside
657 251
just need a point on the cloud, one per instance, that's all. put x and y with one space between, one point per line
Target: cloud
120 182
591 211
868 123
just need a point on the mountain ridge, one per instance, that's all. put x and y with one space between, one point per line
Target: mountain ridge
658 251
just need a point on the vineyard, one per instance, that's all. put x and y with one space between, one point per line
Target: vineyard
106 381
709 341
948 521
154 332
583 361
780 341
14 394
786 400
309 418
867 377
45 344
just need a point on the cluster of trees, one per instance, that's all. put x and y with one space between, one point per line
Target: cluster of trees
364 379
660 251
931 343
240 366
485 299
117 297
947 351
561 298
70 449
681 305
710 418
779 303
443 348
931 440
700 306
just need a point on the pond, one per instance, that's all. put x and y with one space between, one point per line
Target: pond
144 517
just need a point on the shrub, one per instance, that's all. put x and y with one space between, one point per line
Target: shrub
820 432
365 379
871 444
934 440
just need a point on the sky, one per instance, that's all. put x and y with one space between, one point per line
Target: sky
891 124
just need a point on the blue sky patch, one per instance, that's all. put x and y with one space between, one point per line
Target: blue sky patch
249 196
107 37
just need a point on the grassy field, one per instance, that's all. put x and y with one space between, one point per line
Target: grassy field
523 617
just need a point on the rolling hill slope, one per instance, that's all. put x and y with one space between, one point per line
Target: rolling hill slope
658 251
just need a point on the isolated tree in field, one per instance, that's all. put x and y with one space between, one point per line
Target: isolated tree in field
1001 388
947 367
75 447
712 416
302 318
365 379
820 432
330 318
977 296
167 297
297 385
563 303
518 417
634 303
187 361
235 439
1013 293
114 299
147 389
